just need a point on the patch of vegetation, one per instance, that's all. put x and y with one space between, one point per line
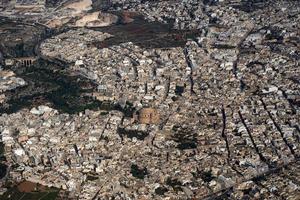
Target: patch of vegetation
140 135
161 190
137 172
174 183
14 194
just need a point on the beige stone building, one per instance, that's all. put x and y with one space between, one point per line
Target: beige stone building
147 116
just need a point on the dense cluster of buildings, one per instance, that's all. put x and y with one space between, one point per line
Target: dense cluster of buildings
218 116
9 81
